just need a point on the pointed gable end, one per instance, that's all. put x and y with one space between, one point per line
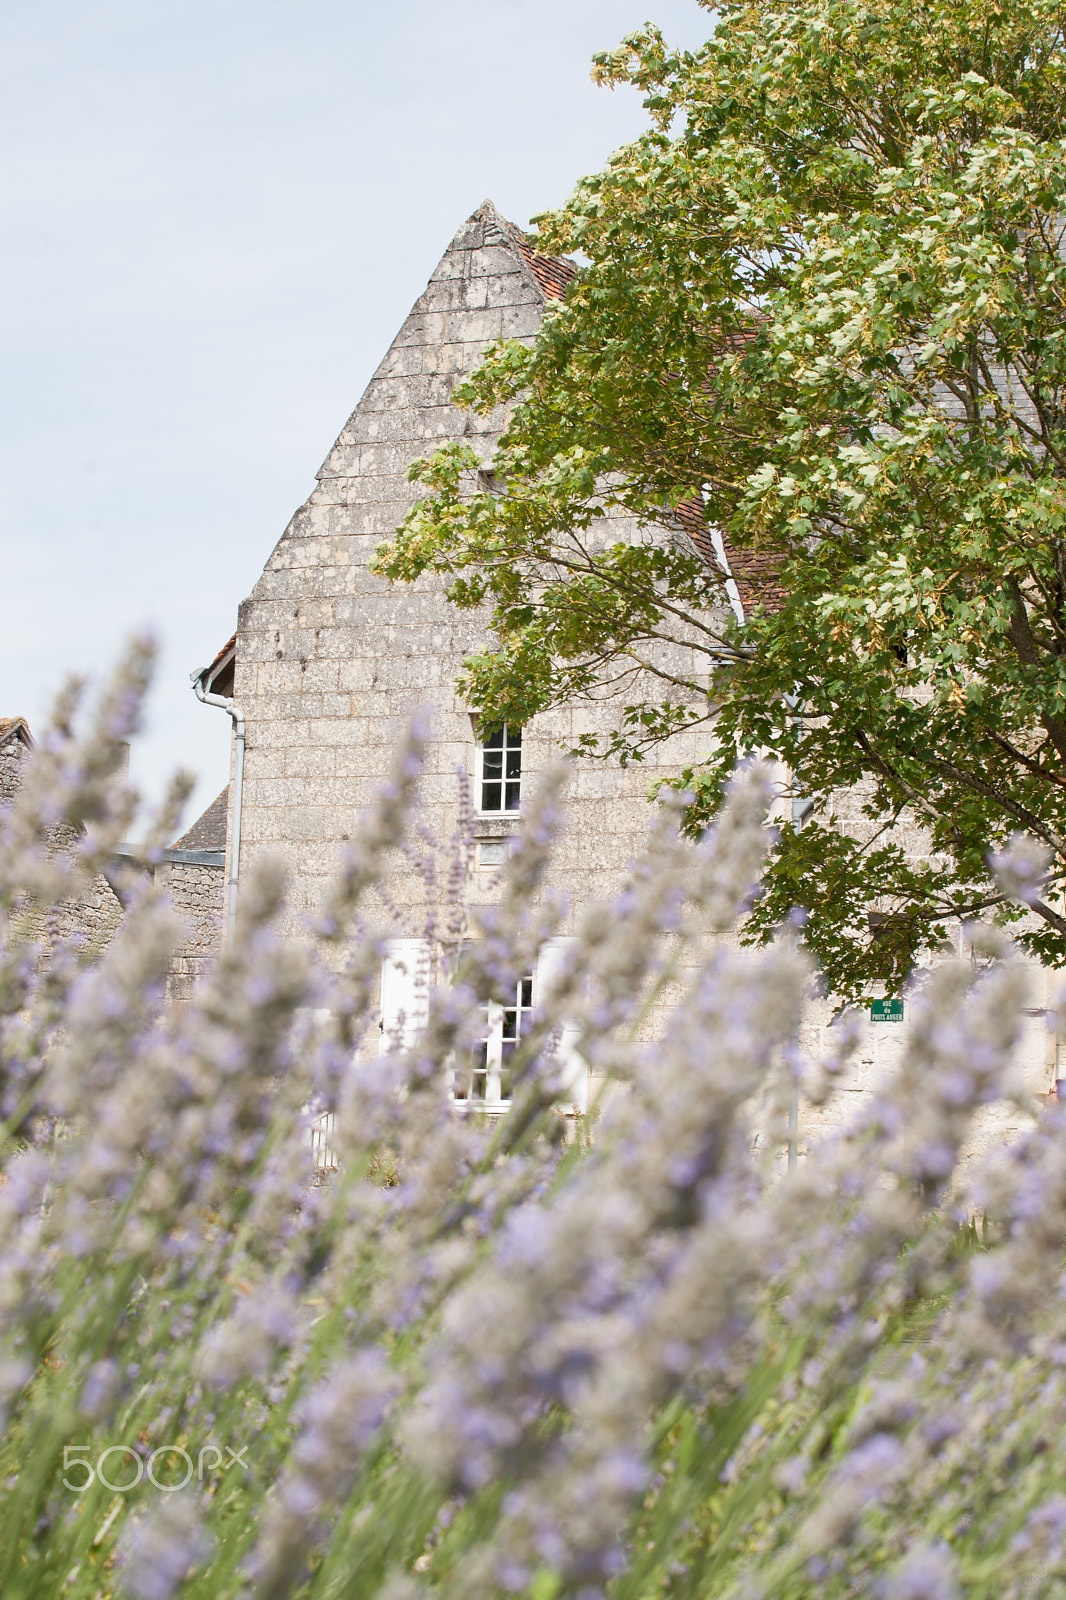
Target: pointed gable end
490 284
331 661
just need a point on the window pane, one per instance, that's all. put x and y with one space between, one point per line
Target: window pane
513 801
510 1024
506 1053
492 764
514 736
514 763
490 797
526 995
480 1073
494 740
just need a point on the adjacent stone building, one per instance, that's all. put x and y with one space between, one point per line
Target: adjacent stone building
97 912
191 875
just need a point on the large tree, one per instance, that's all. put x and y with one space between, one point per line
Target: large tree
822 311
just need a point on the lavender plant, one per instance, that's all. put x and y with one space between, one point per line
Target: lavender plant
646 1363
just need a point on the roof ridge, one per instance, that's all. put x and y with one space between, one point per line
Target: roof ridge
10 726
551 274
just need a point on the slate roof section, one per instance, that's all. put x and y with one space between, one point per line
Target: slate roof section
208 832
15 728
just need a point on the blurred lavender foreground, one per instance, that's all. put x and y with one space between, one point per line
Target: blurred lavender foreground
483 1359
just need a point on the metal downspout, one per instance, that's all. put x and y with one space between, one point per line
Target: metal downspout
237 715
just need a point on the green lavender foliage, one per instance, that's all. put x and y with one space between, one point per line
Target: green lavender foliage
478 1359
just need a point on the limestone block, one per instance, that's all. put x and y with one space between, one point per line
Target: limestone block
297 707
450 294
278 677
393 394
402 361
455 262
449 754
265 763
508 291
520 322
343 461
459 358
426 672
300 822
303 763
337 706
317 676
473 327
497 261
271 732
421 328
357 673
339 732
279 584
438 424
383 427
385 459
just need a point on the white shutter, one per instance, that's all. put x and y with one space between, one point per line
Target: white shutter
575 1073
405 976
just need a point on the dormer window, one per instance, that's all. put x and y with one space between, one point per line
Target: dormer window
500 761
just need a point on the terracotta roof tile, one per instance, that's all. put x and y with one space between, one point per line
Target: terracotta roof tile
210 670
553 274
754 572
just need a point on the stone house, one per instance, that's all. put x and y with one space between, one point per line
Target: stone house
329 662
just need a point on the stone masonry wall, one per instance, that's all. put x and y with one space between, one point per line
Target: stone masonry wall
332 662
96 914
194 887
196 890
12 751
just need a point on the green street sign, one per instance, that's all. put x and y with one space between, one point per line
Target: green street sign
886 1011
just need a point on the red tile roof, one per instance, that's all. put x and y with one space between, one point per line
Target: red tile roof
755 573
553 274
230 644
220 669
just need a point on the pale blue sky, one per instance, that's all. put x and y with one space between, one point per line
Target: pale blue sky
217 214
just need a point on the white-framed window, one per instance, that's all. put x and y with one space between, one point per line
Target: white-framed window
499 778
486 1081
483 1081
405 984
